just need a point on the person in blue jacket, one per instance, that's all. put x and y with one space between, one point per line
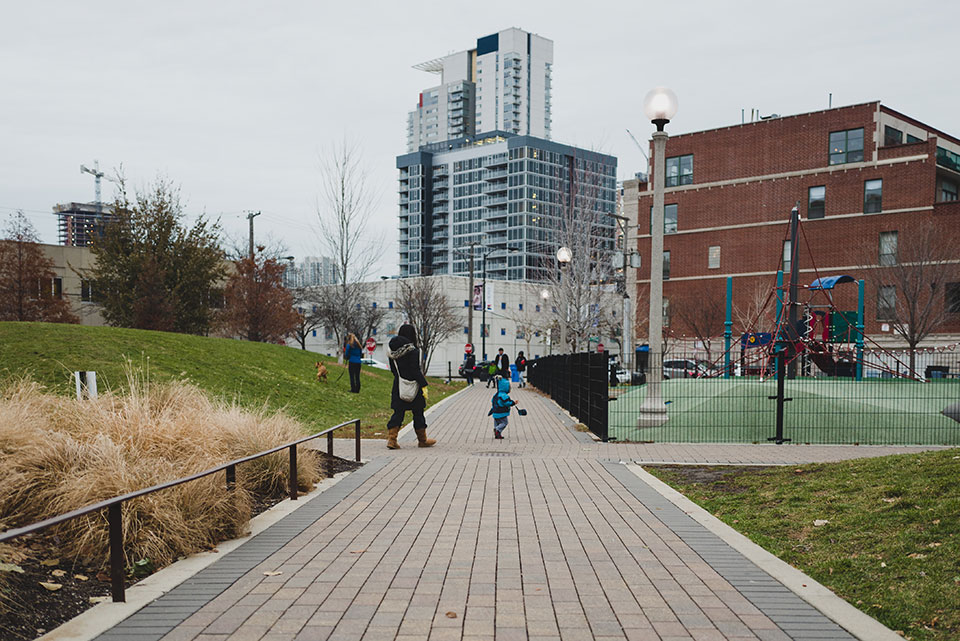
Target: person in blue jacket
500 411
353 352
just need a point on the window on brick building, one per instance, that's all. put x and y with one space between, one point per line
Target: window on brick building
892 136
679 171
911 138
872 196
886 303
846 146
816 201
787 257
713 257
951 301
666 312
669 219
948 190
666 265
888 248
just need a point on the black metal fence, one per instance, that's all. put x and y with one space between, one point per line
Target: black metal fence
700 400
577 383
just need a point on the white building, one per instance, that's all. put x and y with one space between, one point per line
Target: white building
503 84
516 319
311 272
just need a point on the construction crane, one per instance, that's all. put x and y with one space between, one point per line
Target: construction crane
97 175
639 146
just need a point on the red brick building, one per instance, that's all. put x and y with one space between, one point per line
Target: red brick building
866 179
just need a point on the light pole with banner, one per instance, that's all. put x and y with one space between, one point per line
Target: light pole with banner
660 105
564 256
483 300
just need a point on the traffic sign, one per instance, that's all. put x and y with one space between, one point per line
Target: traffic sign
371 344
468 348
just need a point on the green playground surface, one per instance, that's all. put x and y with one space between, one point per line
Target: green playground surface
823 410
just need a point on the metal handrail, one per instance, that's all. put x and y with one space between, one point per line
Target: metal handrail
114 504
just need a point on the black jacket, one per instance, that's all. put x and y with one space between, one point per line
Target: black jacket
405 361
470 362
503 364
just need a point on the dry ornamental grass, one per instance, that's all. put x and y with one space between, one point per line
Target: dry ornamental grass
58 454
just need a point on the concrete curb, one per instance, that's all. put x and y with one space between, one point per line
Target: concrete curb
104 616
857 623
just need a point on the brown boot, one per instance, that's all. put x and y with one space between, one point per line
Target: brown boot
422 438
393 433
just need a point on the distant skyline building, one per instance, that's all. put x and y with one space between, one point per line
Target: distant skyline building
80 224
312 271
503 84
500 192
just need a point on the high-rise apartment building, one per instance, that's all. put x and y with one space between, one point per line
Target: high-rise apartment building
513 197
501 85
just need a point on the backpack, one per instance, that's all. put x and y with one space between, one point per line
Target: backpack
498 406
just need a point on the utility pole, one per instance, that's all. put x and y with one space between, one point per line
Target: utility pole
250 216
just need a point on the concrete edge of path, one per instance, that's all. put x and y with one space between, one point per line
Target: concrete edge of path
103 616
857 623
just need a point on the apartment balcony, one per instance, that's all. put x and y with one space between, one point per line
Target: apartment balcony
499 160
440 197
496 188
495 227
441 208
494 174
439 170
494 201
496 214
440 184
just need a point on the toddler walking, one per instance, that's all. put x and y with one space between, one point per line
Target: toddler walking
500 411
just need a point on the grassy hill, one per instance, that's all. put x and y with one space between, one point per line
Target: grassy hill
254 374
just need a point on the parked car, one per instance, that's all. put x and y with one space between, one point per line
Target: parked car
479 370
689 368
374 363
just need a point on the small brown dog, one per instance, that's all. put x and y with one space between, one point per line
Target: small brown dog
321 372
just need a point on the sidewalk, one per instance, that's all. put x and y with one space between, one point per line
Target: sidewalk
543 535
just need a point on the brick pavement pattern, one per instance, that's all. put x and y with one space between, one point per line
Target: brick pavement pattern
543 535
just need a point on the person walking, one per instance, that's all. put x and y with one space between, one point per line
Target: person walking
521 367
404 356
354 354
503 364
469 362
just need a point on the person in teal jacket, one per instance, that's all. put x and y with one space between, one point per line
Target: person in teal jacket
353 353
500 411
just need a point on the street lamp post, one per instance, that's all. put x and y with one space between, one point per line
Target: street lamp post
629 264
545 295
660 105
564 256
483 313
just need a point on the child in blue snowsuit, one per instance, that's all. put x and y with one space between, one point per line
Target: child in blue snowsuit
501 407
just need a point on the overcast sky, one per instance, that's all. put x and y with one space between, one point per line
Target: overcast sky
235 101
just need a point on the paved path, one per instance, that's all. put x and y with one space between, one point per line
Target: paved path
543 535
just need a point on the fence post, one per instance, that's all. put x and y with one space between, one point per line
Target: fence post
728 328
356 426
293 472
330 443
114 516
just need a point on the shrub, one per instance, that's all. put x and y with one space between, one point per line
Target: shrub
59 454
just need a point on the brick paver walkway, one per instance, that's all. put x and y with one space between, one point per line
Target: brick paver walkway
543 535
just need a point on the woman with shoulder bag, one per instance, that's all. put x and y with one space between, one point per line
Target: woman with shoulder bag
354 354
409 387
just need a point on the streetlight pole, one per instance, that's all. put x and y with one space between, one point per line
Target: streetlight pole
470 298
564 256
629 285
483 313
660 105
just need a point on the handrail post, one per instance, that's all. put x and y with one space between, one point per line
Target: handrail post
293 472
114 516
231 476
330 443
356 427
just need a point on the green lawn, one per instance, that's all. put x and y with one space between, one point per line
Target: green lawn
891 541
822 411
255 374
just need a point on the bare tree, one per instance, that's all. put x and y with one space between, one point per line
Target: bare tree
347 309
750 310
578 288
347 204
700 310
908 276
306 305
428 309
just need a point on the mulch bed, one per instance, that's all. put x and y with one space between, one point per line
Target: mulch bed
722 477
29 610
